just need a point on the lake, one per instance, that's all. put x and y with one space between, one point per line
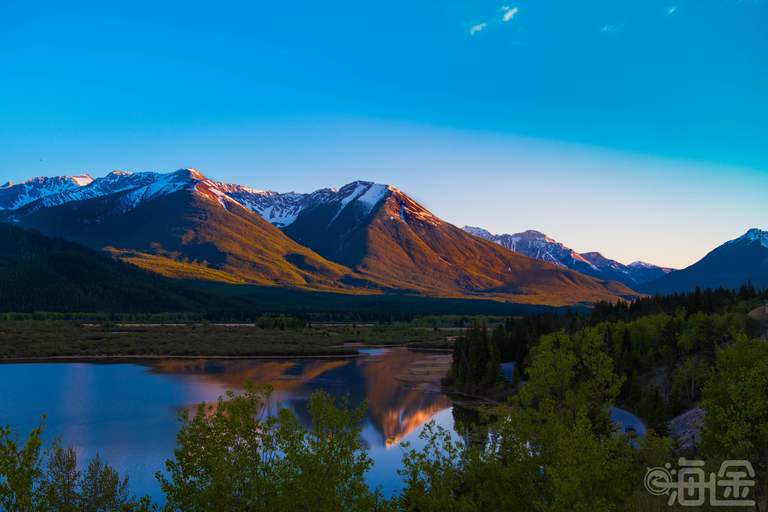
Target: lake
125 410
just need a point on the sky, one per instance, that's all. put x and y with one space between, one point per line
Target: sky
637 129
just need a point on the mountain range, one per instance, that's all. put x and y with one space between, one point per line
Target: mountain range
538 245
363 238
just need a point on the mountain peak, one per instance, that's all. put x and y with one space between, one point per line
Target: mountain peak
755 234
482 233
532 234
191 173
730 265
752 235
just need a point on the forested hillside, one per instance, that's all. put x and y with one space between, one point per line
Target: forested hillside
39 273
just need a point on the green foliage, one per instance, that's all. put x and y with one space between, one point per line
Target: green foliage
324 467
281 323
735 401
689 376
554 448
21 471
102 489
434 474
26 487
237 457
62 480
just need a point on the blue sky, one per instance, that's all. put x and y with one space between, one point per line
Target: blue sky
638 129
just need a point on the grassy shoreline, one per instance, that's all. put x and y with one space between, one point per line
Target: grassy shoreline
60 340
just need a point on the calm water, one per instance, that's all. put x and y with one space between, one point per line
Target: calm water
126 411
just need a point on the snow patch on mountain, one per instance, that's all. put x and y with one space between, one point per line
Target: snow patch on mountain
282 209
82 179
365 195
373 194
482 233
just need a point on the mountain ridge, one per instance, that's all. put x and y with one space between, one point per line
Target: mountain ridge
362 238
538 245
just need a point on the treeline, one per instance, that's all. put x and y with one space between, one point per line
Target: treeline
708 301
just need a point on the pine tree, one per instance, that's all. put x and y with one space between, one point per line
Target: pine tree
653 411
635 390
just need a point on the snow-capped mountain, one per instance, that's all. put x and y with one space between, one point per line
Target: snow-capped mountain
128 190
538 245
16 195
365 236
751 237
731 265
535 245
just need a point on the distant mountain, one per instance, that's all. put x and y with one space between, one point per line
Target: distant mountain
730 265
538 245
363 238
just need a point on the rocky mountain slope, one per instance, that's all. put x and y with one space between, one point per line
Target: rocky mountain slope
538 245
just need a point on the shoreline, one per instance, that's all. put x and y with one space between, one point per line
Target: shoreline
98 357
170 356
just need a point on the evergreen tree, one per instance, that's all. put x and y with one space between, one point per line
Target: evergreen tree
635 389
654 413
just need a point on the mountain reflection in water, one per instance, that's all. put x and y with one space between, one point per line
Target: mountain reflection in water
398 384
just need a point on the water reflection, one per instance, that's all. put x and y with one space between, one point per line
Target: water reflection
125 410
399 390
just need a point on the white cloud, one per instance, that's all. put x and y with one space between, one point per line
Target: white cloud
477 28
510 13
609 30
671 10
